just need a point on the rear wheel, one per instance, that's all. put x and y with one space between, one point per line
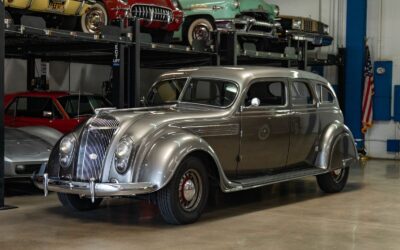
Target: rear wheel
74 202
95 18
183 200
333 181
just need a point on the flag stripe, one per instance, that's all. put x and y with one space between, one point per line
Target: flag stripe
367 103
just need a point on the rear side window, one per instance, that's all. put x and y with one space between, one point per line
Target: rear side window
269 93
35 107
324 94
301 94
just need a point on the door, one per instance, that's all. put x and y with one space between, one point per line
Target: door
304 124
265 128
35 111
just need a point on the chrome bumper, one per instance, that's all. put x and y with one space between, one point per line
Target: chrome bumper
92 189
314 38
247 26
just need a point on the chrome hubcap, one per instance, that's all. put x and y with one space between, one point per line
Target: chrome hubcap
201 32
95 19
190 190
338 174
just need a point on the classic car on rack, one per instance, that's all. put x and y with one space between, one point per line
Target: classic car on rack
26 149
249 17
56 109
60 13
297 28
158 17
233 127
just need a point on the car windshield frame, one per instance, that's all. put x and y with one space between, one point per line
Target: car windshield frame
182 94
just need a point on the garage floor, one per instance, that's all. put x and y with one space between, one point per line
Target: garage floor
294 215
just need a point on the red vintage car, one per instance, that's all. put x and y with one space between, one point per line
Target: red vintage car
158 17
60 110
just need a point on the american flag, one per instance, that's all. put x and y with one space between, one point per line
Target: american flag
367 112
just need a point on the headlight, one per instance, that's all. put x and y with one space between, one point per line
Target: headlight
277 10
123 154
176 4
326 29
236 4
66 150
296 24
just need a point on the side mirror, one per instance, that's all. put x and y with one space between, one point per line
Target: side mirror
47 114
255 102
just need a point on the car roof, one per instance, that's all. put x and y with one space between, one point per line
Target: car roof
243 74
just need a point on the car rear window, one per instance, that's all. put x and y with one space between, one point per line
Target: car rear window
75 105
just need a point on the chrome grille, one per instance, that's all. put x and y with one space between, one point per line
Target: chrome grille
93 147
152 13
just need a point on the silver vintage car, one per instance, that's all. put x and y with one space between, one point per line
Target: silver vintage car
235 127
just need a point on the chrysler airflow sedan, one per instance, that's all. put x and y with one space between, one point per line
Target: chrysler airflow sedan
235 127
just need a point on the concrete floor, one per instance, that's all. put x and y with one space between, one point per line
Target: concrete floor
294 215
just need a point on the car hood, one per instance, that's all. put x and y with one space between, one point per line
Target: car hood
23 147
142 121
261 5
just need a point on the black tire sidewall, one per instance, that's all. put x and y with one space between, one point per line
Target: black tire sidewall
182 216
328 184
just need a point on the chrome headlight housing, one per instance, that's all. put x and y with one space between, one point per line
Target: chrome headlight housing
176 4
277 10
236 4
297 24
66 150
123 153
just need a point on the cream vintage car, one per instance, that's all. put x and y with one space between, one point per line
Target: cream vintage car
234 127
48 8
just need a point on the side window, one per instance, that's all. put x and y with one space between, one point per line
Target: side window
269 93
324 94
34 107
11 108
301 94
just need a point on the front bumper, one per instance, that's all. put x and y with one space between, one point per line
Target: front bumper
248 26
314 38
92 189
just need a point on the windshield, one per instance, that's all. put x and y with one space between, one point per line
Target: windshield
219 93
86 106
166 92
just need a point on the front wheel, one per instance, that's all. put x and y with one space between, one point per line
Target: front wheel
333 181
182 201
95 18
74 202
198 29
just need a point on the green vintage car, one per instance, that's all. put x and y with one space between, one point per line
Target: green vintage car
252 17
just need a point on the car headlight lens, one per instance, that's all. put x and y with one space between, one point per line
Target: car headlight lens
66 150
123 154
296 25
326 29
277 10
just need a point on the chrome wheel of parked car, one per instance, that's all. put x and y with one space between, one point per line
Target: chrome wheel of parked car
199 29
74 202
182 201
333 181
94 19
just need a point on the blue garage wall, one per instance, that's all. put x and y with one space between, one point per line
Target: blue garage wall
382 100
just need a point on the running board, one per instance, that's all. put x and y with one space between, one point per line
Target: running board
250 183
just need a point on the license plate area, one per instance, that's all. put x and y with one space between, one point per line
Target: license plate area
57 7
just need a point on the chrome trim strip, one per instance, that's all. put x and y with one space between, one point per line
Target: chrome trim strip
92 189
80 8
214 130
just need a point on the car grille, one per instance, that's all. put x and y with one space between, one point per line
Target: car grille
313 26
152 13
93 147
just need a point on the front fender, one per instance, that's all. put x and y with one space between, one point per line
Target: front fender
336 141
163 158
